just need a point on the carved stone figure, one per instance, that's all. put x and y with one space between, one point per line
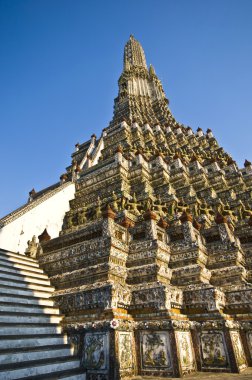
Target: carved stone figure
133 205
159 207
155 348
32 248
69 219
115 202
95 351
213 350
82 218
98 212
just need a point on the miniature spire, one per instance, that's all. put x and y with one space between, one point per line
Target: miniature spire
134 54
139 90
152 70
44 236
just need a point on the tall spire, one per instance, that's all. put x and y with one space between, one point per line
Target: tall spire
134 54
141 96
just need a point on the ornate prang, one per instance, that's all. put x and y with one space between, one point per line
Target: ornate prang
153 266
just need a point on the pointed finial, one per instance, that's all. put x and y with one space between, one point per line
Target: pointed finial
152 70
247 163
134 54
44 236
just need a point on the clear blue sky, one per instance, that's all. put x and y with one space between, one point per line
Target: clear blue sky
60 61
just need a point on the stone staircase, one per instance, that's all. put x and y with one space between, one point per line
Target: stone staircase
31 343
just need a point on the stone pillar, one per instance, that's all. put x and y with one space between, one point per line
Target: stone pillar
108 222
139 158
93 139
89 161
151 225
237 355
224 231
160 161
184 347
188 229
246 337
125 355
119 154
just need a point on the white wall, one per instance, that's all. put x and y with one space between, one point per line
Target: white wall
49 214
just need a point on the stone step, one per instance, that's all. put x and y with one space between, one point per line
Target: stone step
11 356
6 265
64 375
27 300
29 318
34 280
77 376
31 343
23 309
17 342
26 285
9 329
14 255
44 368
19 260
23 272
23 292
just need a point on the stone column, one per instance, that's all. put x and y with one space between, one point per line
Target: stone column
185 356
235 347
89 161
188 229
246 337
151 225
108 222
119 154
124 349
224 230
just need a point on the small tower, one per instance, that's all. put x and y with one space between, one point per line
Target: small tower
134 54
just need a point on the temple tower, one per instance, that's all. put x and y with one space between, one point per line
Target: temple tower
152 268
141 97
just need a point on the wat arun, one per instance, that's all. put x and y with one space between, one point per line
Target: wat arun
153 266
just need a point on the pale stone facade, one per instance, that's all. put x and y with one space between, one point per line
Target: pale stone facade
46 210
